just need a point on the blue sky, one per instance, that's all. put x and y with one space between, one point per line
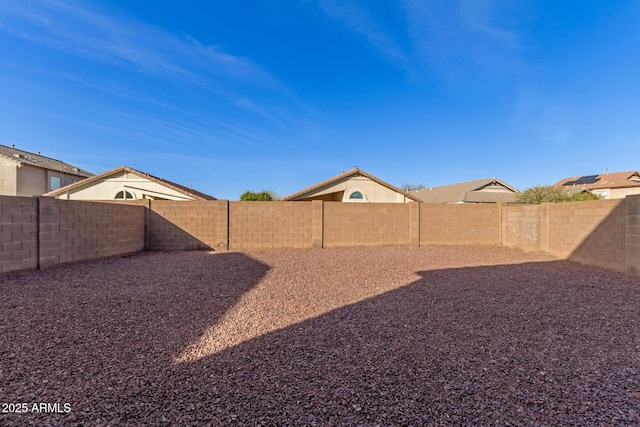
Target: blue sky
229 96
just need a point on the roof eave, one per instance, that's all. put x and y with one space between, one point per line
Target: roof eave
352 172
87 181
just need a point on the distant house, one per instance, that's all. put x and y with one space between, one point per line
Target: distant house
614 185
27 174
489 190
125 183
356 186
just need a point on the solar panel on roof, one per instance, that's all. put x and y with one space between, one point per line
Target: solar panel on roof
587 179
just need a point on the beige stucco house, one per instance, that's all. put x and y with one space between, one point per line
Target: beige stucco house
355 186
614 185
27 174
125 183
488 190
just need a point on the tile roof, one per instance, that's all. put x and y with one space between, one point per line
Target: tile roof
605 180
347 174
37 160
467 192
180 188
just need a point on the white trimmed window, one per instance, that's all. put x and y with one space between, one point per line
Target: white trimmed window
124 195
357 196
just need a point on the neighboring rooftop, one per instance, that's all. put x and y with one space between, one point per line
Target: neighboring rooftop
348 174
602 181
40 161
197 195
488 190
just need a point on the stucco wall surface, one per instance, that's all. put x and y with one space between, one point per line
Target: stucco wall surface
8 176
372 191
138 186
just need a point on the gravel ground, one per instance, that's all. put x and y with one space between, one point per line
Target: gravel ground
396 336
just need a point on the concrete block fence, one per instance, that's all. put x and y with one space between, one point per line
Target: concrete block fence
40 232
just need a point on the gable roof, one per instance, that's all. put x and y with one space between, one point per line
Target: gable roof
348 174
469 191
24 157
177 187
605 180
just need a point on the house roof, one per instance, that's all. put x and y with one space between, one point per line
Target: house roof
177 187
348 174
39 161
469 191
605 180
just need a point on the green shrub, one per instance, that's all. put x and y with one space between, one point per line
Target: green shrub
549 194
579 197
262 196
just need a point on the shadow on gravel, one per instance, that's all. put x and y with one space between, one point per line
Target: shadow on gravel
531 344
541 343
103 339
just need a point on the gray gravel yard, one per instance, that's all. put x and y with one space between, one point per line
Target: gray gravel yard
396 336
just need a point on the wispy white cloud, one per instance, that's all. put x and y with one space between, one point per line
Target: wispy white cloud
109 36
249 104
358 19
481 16
181 127
112 37
205 74
477 32
436 33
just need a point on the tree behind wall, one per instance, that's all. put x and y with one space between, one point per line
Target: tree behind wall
407 186
549 194
262 196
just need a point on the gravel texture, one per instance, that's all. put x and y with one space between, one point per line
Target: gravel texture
396 336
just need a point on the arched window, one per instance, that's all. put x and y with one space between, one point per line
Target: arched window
356 195
124 195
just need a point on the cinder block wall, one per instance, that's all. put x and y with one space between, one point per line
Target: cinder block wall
589 232
18 235
176 225
459 224
367 224
632 235
78 230
523 226
42 231
263 225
